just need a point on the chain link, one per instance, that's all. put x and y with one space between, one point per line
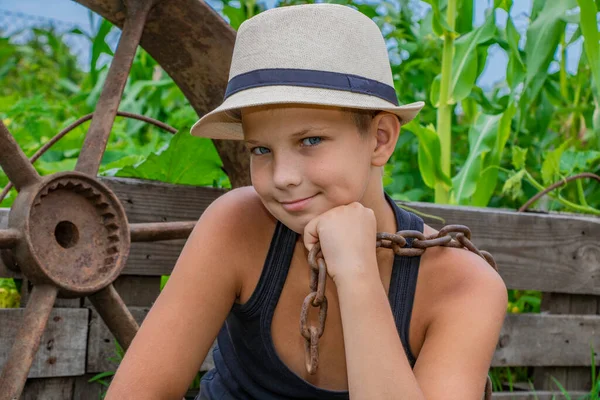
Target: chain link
458 236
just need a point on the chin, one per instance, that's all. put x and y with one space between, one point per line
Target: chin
295 223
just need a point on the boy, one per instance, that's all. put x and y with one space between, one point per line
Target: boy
312 96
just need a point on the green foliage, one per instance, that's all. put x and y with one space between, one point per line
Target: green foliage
465 68
9 294
429 153
104 378
594 392
46 91
482 136
177 162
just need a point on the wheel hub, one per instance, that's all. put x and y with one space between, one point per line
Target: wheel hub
74 233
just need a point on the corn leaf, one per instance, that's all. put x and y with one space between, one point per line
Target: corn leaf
429 154
465 61
543 37
464 16
482 139
503 4
589 28
439 22
515 70
491 161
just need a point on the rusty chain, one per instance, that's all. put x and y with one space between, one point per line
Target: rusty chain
396 242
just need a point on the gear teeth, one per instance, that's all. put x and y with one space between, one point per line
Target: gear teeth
112 227
94 198
86 192
104 210
110 260
81 188
108 218
112 250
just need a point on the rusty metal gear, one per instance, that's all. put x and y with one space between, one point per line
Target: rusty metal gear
70 219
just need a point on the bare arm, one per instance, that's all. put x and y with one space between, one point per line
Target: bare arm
459 344
183 322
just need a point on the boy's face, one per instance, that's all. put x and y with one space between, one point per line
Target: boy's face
300 152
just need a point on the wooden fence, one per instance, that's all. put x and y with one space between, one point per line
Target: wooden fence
557 254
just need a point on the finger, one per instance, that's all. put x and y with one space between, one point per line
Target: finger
311 235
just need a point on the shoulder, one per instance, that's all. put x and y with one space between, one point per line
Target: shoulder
237 214
454 277
232 225
231 231
242 202
239 221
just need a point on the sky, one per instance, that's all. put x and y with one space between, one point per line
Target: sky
73 13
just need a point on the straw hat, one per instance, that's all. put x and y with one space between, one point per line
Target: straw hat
321 54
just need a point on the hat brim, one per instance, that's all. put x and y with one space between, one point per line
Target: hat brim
222 124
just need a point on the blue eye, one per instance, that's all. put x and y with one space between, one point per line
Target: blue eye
311 141
258 150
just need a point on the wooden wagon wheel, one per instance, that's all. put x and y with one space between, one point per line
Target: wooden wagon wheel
68 233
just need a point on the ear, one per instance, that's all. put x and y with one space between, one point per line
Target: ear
386 128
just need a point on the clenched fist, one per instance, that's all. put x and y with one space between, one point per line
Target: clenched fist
347 235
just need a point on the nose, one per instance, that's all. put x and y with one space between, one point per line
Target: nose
286 172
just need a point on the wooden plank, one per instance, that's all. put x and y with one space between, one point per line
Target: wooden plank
527 339
548 340
152 201
547 252
101 344
63 344
537 395
542 377
83 389
136 291
572 378
580 378
153 259
48 389
564 341
554 303
5 272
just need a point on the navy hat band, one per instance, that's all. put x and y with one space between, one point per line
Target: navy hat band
311 78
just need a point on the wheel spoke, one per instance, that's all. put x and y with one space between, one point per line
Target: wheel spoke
108 103
154 231
13 161
115 315
26 345
8 238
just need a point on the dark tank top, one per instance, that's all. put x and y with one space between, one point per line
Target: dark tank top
246 363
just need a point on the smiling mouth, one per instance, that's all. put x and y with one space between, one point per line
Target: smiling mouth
295 201
297 205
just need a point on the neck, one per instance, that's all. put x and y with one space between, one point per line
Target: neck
374 198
